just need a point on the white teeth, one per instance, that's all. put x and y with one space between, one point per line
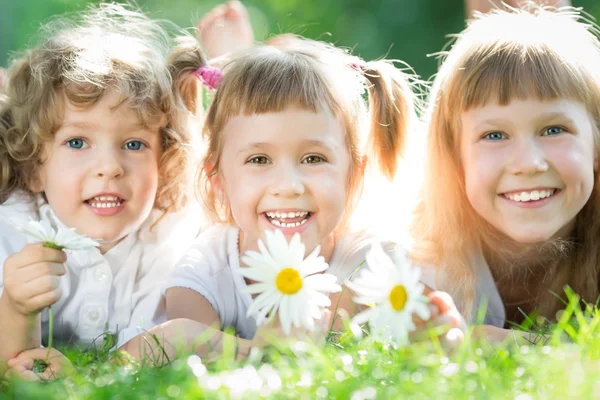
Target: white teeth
104 205
530 196
284 215
106 198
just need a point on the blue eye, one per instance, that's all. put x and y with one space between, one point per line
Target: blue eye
75 143
494 136
553 130
134 145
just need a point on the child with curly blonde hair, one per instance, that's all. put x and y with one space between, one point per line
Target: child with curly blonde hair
95 136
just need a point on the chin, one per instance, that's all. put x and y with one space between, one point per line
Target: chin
530 237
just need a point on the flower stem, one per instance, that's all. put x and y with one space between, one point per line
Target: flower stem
50 310
50 331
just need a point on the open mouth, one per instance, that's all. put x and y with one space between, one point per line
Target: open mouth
105 202
289 219
532 195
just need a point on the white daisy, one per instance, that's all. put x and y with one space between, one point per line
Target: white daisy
287 283
391 288
53 233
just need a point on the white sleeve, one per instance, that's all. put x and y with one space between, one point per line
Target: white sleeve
164 245
148 310
201 267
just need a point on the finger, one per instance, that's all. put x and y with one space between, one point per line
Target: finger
36 252
39 286
451 340
43 300
20 372
442 300
52 372
21 362
31 354
35 271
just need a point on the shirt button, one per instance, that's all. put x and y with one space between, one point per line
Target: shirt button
100 274
94 315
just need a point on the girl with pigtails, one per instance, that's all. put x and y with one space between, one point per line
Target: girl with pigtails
289 143
95 136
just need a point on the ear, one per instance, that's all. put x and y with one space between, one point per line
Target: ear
216 182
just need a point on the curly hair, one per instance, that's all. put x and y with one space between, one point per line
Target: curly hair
81 57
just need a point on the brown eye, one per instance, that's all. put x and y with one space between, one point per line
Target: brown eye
258 160
313 159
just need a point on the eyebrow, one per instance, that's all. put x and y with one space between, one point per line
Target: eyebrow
265 145
83 125
254 145
538 119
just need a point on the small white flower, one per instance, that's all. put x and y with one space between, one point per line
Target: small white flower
287 283
393 291
51 231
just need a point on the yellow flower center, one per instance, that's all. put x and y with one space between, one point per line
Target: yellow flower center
398 297
288 281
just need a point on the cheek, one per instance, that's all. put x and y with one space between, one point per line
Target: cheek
576 168
482 172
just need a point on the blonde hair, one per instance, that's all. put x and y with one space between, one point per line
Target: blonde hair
537 52
313 75
80 58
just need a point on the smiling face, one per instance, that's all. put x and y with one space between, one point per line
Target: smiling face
100 171
528 166
285 170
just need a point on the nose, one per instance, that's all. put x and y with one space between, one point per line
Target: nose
109 164
528 158
288 181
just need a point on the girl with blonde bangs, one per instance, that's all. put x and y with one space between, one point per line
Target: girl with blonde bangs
95 136
509 202
289 144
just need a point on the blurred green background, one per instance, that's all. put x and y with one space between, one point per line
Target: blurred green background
402 29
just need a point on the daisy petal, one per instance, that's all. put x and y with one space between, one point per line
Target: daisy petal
284 315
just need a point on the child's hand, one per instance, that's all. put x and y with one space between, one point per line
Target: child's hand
32 278
444 314
21 367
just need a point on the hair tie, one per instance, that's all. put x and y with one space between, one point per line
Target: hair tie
209 76
359 67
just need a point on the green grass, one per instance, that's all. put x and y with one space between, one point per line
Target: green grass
566 366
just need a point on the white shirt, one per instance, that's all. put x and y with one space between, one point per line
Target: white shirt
486 291
119 291
211 268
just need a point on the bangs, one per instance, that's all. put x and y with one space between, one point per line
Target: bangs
142 95
507 71
272 80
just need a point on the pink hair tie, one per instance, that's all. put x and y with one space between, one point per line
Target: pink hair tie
210 76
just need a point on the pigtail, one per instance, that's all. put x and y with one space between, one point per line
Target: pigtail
391 111
185 61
